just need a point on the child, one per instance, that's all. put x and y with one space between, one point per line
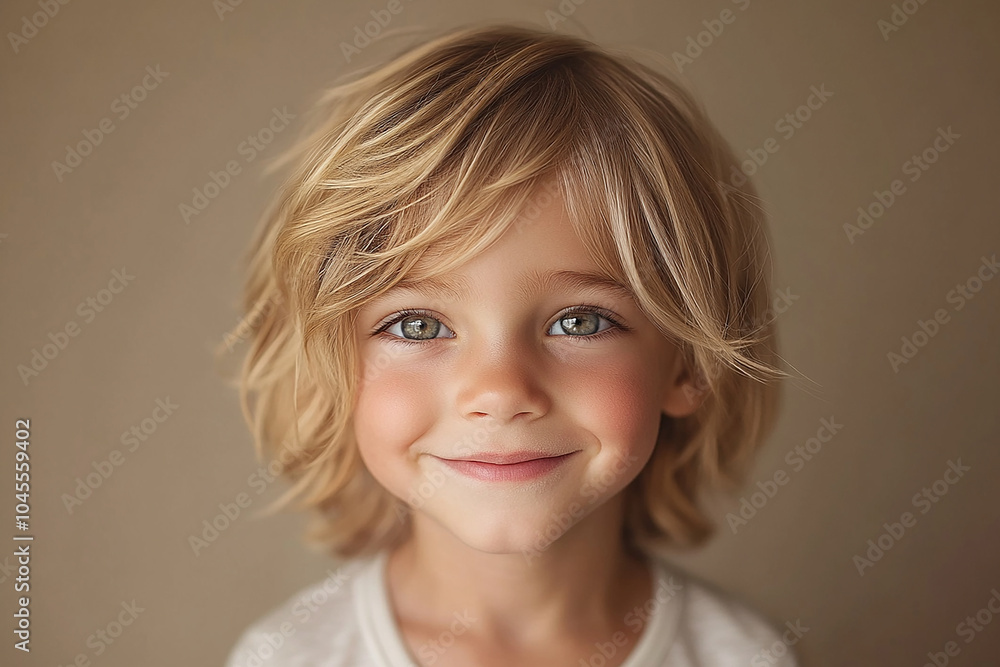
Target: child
512 326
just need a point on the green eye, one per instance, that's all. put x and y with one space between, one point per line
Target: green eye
580 324
419 327
413 325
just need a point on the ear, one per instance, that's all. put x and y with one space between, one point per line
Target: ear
686 390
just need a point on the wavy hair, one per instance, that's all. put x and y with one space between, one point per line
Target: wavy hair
442 149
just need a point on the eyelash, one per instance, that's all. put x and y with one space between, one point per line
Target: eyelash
615 328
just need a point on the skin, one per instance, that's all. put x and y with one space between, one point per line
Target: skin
539 565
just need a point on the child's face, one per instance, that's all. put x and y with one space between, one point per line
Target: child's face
513 367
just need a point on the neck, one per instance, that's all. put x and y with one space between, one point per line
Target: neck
582 584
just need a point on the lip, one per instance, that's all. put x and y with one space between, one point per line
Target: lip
512 467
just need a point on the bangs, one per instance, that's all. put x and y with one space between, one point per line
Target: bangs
456 150
460 143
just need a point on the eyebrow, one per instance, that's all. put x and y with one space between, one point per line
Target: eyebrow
451 288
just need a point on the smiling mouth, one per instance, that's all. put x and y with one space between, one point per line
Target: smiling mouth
513 467
511 458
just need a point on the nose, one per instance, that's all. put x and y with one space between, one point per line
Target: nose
501 383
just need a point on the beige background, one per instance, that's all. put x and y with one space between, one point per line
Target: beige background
119 208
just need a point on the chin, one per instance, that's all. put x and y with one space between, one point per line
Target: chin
516 531
498 539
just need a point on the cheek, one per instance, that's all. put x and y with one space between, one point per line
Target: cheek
618 403
393 407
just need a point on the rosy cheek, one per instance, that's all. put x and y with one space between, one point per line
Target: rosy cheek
392 409
620 404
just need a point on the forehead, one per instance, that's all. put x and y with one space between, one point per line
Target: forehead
539 251
453 287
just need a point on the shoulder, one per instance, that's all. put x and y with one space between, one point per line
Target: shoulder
316 626
717 628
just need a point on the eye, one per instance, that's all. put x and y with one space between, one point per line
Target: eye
585 322
414 325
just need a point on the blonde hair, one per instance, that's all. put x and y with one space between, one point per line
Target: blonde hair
436 154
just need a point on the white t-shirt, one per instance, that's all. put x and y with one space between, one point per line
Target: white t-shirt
346 621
